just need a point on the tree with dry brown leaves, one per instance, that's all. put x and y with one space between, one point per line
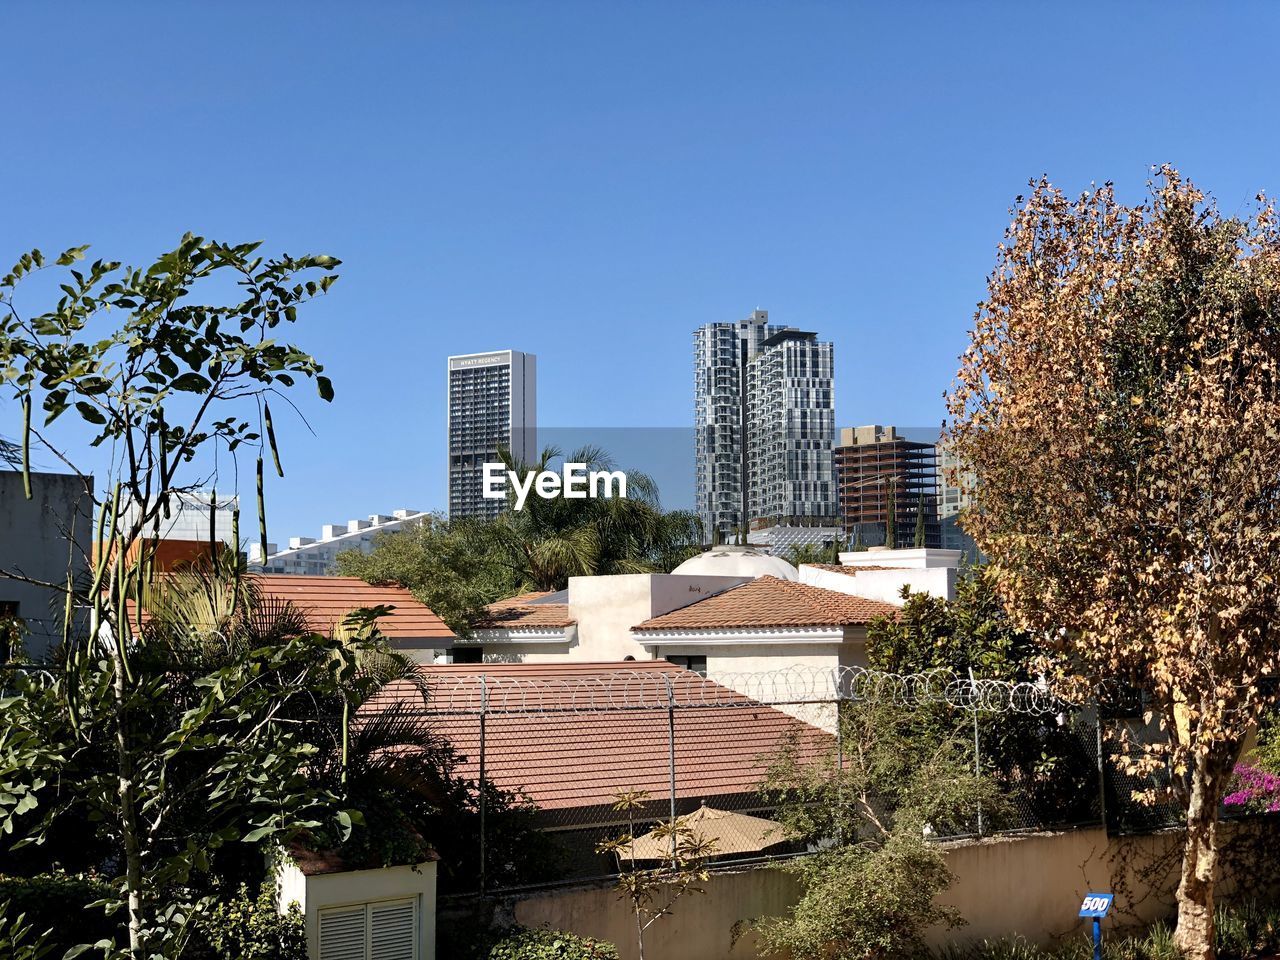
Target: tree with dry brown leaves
1120 409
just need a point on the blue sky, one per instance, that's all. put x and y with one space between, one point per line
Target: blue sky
591 181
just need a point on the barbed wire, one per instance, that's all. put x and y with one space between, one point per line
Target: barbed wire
629 690
612 691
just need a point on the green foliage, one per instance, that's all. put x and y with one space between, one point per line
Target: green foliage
1266 755
1047 763
895 773
19 939
58 903
1245 931
869 889
456 567
245 927
224 756
864 901
170 382
971 631
551 945
652 892
809 553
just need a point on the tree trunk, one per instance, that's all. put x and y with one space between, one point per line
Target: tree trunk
1195 932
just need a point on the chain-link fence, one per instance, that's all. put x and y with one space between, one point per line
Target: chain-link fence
577 755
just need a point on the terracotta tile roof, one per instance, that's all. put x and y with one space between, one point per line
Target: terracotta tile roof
313 863
771 602
563 756
326 601
518 613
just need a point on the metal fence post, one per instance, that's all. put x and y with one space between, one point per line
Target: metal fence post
484 792
839 768
977 742
1102 765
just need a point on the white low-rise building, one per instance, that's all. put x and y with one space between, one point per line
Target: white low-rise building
317 556
731 610
880 574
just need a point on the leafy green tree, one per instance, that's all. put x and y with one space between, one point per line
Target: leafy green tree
1045 762
247 927
869 890
364 718
456 567
808 553
1266 753
553 539
169 385
919 540
652 892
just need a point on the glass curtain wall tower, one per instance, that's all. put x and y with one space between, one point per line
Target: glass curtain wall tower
764 425
492 405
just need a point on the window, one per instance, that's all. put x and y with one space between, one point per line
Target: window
696 664
370 931
468 655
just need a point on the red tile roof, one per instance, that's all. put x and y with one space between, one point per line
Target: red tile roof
771 602
517 613
326 601
550 735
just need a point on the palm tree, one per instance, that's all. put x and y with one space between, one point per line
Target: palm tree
551 540
10 454
374 749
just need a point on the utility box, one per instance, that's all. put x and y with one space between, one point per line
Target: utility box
388 913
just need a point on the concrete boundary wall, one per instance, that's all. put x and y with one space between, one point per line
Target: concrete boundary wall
1030 885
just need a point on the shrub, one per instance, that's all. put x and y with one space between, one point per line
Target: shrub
1247 929
248 928
1244 931
59 903
18 939
1253 789
551 945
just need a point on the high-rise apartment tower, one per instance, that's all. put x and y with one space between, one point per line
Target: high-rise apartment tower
492 405
764 422
882 473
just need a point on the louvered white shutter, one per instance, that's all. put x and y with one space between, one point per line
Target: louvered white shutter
393 930
343 933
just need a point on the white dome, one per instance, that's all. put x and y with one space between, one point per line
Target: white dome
737 562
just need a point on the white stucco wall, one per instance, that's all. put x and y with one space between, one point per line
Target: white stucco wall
606 608
914 559
318 892
885 585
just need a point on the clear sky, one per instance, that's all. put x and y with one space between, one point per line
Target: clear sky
590 181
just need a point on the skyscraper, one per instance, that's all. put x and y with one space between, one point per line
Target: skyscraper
955 493
764 422
879 471
492 404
